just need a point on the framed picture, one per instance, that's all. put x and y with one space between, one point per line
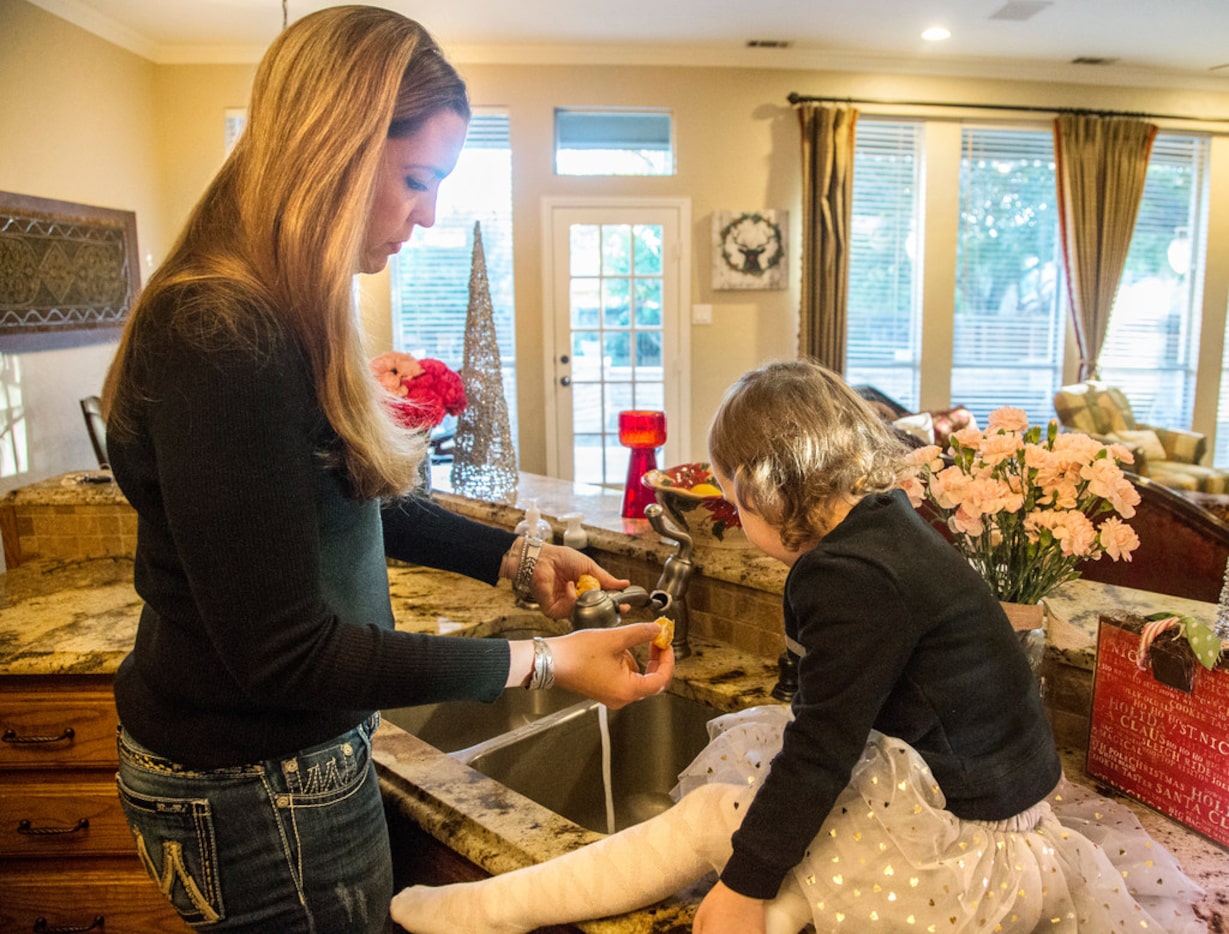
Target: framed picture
749 249
69 273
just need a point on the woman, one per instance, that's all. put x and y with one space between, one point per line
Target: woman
247 431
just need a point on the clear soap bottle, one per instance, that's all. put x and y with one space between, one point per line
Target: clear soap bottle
533 524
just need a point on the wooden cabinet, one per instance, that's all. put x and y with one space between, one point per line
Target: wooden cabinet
67 861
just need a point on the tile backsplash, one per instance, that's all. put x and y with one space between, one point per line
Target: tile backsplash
67 531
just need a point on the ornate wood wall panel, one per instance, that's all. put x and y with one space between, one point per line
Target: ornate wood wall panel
69 273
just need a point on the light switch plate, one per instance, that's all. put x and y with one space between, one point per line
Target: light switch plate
701 314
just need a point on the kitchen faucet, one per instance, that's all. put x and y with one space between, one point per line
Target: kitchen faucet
599 609
675 575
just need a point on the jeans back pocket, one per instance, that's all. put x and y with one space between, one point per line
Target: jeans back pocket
327 773
176 842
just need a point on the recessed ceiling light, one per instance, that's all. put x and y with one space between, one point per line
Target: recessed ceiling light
936 34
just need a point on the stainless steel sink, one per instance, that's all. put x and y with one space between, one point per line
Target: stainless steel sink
557 761
454 726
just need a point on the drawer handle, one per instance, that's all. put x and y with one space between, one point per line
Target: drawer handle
10 736
25 828
40 927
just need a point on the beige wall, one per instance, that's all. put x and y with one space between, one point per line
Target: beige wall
159 139
77 121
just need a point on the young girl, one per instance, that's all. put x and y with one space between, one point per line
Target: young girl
908 784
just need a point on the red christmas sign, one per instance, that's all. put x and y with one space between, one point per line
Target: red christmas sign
1165 743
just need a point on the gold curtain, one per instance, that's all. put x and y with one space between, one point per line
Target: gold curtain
827 196
1102 163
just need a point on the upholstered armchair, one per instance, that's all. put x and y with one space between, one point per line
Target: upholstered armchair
1168 456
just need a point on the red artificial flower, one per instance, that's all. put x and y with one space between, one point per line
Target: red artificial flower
434 392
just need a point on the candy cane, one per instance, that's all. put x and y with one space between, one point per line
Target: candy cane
1148 636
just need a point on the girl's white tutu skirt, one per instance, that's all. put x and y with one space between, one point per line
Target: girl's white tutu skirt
890 858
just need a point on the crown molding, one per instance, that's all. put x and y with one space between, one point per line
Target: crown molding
686 55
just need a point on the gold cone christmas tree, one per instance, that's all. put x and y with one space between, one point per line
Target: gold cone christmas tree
484 461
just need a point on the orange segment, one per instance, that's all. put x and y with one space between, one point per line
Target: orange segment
586 582
665 634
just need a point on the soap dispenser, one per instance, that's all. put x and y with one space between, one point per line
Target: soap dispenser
574 536
533 524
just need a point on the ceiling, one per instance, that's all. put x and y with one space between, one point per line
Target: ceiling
1174 43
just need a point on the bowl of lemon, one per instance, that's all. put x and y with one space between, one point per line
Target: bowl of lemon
693 501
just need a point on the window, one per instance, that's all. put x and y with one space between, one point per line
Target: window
1008 326
613 142
430 275
236 119
884 303
1149 350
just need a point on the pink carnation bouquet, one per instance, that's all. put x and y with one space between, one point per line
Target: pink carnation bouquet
423 391
1024 510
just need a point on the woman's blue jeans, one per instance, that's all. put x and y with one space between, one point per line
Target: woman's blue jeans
297 845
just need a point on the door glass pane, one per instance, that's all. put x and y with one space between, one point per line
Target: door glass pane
648 354
616 250
587 407
616 303
648 303
651 396
586 356
586 258
648 239
588 455
619 397
585 302
617 360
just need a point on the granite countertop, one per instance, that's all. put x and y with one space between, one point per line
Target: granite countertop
1075 608
63 618
80 618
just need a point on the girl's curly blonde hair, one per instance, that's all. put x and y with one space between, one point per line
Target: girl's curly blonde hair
795 439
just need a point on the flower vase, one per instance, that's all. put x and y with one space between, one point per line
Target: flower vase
1028 620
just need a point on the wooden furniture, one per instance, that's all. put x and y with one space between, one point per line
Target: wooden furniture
67 860
96 427
1182 550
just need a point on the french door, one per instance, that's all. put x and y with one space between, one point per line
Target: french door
616 336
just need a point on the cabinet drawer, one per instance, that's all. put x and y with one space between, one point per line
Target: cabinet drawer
62 819
57 730
123 897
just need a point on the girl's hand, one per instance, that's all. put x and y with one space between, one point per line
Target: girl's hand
598 663
724 911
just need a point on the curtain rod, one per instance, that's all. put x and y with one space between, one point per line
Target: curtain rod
796 98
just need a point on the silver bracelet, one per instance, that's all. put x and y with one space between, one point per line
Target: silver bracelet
543 674
530 549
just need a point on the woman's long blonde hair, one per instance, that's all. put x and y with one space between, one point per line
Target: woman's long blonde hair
279 230
794 439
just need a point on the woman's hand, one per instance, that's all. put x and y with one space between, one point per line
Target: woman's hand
553 584
598 663
724 911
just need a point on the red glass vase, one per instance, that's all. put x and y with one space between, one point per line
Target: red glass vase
644 432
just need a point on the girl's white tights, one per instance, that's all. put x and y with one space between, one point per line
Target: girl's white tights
631 869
